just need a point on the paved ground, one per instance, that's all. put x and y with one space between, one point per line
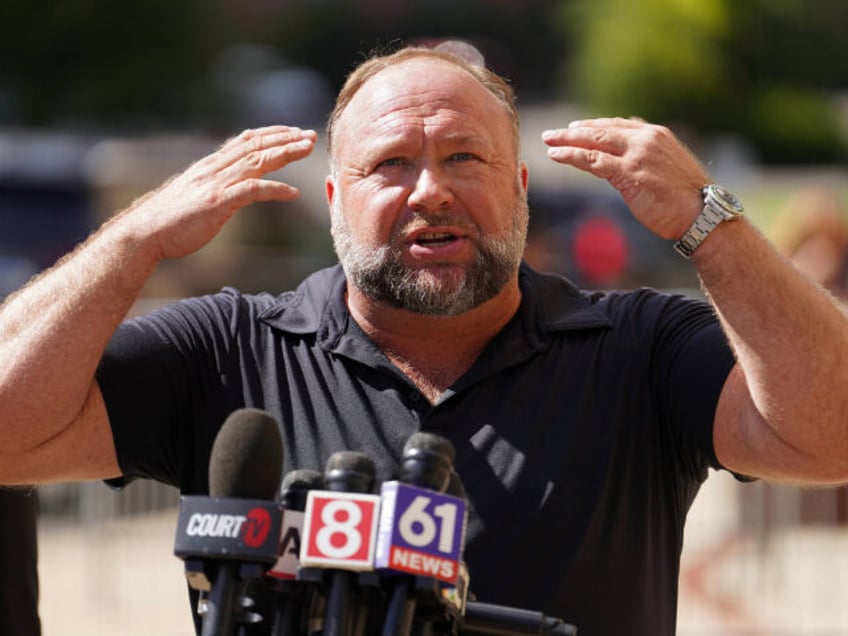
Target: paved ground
120 577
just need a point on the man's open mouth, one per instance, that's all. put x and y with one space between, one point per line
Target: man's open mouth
435 238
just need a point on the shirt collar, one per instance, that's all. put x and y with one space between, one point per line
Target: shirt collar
549 304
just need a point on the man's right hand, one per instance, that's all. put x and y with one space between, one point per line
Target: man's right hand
188 210
53 332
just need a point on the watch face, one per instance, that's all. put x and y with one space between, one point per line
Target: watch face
724 198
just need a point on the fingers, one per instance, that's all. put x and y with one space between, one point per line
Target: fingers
231 177
257 152
610 135
256 139
595 146
656 175
590 150
607 147
243 193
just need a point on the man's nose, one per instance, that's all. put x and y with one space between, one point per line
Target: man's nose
431 191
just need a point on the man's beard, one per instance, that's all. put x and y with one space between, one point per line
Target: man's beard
380 273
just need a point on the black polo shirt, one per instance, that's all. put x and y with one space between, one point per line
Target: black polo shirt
582 432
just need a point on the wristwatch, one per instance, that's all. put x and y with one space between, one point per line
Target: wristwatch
719 206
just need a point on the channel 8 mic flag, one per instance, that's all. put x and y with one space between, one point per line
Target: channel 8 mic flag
421 531
339 530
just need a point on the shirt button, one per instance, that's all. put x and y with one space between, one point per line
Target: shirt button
414 396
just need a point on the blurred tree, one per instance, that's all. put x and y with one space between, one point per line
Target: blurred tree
85 61
764 69
153 62
761 68
658 60
334 35
794 54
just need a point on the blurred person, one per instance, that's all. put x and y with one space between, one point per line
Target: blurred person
19 558
584 423
812 230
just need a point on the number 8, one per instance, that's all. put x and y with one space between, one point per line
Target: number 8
333 526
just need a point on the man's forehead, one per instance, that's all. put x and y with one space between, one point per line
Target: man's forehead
421 87
415 68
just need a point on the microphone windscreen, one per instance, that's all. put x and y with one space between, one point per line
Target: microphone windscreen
349 471
247 456
427 461
296 486
430 444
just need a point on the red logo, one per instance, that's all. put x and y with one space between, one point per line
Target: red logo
340 530
256 528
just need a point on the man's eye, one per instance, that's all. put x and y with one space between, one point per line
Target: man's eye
463 156
393 161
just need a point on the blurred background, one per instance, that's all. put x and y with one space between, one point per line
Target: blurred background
100 102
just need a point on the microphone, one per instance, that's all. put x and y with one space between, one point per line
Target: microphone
291 595
456 595
484 618
339 533
421 529
293 493
232 535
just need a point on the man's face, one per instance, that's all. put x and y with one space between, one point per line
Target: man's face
427 196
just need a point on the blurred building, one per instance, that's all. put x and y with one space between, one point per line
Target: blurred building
45 208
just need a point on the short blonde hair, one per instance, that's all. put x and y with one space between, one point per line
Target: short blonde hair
451 52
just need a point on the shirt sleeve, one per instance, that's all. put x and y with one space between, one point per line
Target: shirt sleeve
165 394
691 363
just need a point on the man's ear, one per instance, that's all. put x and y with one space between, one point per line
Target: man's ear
524 174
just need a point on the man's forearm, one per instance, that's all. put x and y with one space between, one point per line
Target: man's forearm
54 330
791 340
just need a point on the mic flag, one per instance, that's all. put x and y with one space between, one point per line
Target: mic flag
293 493
339 530
292 597
339 535
421 531
238 521
231 537
221 528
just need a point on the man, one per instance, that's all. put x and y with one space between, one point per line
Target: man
584 423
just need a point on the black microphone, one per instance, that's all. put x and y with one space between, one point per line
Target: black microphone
346 472
456 595
339 535
427 463
232 536
291 596
484 618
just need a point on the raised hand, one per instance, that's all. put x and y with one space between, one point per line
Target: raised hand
188 210
656 174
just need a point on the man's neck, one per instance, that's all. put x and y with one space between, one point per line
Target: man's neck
433 351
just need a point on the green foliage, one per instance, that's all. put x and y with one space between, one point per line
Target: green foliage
145 63
660 60
795 125
86 60
750 68
763 69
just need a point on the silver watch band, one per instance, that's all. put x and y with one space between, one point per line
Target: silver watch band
719 206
